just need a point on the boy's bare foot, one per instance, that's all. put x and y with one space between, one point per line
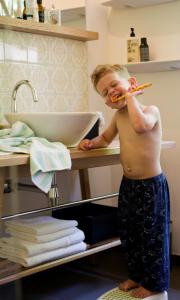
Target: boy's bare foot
128 285
142 293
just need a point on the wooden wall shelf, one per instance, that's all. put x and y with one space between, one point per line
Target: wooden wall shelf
153 66
47 29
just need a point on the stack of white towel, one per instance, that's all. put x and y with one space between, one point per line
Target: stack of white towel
39 239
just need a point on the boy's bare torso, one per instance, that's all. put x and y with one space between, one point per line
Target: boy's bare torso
139 153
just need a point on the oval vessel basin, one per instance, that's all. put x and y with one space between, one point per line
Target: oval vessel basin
68 128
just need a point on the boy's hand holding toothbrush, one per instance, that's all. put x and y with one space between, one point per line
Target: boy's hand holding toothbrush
135 92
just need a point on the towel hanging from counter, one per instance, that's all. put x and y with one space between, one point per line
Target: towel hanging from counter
45 157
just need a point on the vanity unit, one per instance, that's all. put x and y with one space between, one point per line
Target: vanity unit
81 160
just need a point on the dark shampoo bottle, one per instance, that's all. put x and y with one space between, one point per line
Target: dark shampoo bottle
144 50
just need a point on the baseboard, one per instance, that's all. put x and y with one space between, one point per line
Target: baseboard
175 259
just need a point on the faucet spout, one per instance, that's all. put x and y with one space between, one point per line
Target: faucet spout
14 93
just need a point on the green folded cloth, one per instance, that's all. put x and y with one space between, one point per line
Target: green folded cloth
45 157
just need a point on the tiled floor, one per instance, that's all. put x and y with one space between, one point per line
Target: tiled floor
85 279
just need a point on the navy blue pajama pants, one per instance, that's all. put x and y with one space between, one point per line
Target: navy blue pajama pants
144 218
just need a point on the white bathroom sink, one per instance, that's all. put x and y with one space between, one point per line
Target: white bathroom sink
65 127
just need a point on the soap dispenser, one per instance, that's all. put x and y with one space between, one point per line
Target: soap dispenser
133 48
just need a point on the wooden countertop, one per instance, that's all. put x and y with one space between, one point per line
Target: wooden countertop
77 156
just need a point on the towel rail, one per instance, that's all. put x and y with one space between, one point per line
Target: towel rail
28 187
56 207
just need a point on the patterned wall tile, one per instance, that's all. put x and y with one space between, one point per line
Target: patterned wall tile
5 102
15 46
56 67
79 81
4 82
38 49
1 46
39 77
60 102
79 56
60 80
58 51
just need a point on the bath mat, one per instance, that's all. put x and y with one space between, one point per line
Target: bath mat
116 294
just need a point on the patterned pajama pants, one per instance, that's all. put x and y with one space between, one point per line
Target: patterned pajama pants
144 218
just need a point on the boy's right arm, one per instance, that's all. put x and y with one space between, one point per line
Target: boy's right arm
101 141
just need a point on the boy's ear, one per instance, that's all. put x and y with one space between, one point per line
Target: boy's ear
133 82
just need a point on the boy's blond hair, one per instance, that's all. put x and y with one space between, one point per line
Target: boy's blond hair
102 70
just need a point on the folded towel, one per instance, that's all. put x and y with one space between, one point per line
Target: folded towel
45 157
40 225
43 257
24 248
42 238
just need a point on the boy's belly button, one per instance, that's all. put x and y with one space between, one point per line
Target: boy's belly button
129 169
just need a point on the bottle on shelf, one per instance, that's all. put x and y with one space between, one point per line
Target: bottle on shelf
24 11
19 10
54 15
35 14
144 50
132 33
133 48
29 9
40 11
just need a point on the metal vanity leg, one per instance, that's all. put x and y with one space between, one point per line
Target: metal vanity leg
53 194
2 180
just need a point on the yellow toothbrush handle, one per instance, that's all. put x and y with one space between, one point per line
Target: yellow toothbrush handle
138 88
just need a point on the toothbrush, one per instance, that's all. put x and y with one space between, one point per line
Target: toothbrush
138 88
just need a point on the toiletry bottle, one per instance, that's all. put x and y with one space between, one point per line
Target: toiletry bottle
144 50
19 10
133 48
132 33
40 11
29 9
24 11
35 14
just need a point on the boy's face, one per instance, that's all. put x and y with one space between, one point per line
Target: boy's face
112 84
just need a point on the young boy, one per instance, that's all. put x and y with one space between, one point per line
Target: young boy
143 197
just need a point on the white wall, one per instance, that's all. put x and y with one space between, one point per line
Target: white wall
161 25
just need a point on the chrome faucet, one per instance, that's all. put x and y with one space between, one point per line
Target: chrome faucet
14 93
